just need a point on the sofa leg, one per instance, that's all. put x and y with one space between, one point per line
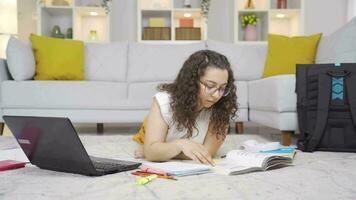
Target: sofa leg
2 128
286 137
99 128
239 127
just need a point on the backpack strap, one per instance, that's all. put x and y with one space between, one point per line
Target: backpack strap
301 90
351 92
324 90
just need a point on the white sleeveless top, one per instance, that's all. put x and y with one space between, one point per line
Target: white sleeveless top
202 121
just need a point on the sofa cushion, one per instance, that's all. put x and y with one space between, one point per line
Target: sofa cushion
285 52
106 62
286 121
62 94
274 93
247 61
340 46
146 90
242 94
158 62
143 91
58 59
20 60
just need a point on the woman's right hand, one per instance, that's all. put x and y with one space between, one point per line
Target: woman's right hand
195 151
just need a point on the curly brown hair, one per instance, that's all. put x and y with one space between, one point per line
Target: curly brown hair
184 93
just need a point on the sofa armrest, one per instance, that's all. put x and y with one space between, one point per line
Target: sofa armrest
276 93
4 72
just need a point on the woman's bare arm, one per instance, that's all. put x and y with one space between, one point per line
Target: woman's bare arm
211 142
155 147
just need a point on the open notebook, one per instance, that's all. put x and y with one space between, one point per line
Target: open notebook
175 168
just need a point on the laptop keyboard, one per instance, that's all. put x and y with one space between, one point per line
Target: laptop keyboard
106 164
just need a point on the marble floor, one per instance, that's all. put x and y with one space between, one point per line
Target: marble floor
319 175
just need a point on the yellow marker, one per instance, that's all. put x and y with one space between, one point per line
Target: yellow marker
146 179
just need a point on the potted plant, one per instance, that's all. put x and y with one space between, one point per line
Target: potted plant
249 22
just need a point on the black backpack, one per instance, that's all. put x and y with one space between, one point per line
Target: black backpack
326 107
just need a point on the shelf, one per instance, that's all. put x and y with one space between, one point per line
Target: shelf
60 3
171 14
88 11
288 25
258 5
262 26
83 16
286 21
50 17
57 10
194 4
287 13
88 3
155 4
291 4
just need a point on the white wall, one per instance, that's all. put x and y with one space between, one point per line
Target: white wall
124 20
320 16
351 9
221 23
26 14
324 16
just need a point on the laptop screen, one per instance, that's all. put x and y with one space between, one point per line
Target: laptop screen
50 143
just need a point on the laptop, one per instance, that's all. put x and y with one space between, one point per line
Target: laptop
52 143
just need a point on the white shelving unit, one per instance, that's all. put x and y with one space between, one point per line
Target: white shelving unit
171 11
89 21
287 21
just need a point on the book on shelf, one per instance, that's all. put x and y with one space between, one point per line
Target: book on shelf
156 22
175 168
240 161
187 23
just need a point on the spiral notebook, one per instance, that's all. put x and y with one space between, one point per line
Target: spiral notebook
175 168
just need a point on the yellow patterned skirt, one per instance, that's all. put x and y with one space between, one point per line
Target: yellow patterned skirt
140 135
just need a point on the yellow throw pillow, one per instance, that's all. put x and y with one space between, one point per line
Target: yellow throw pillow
285 52
58 59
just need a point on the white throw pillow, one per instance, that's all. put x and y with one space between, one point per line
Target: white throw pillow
20 60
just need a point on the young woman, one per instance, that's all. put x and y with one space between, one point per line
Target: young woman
189 118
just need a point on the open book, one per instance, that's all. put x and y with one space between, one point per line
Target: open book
240 161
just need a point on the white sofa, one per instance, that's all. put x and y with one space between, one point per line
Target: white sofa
121 79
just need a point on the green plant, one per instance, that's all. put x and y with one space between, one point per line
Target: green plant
205 6
105 5
249 19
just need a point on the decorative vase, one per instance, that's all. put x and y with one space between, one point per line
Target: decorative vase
249 4
56 32
187 4
281 4
250 33
93 35
69 33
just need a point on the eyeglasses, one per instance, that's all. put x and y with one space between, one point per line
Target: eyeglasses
210 90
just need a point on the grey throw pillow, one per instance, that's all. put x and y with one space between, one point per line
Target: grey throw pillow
340 46
20 60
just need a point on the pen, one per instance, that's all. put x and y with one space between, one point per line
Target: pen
144 174
146 179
